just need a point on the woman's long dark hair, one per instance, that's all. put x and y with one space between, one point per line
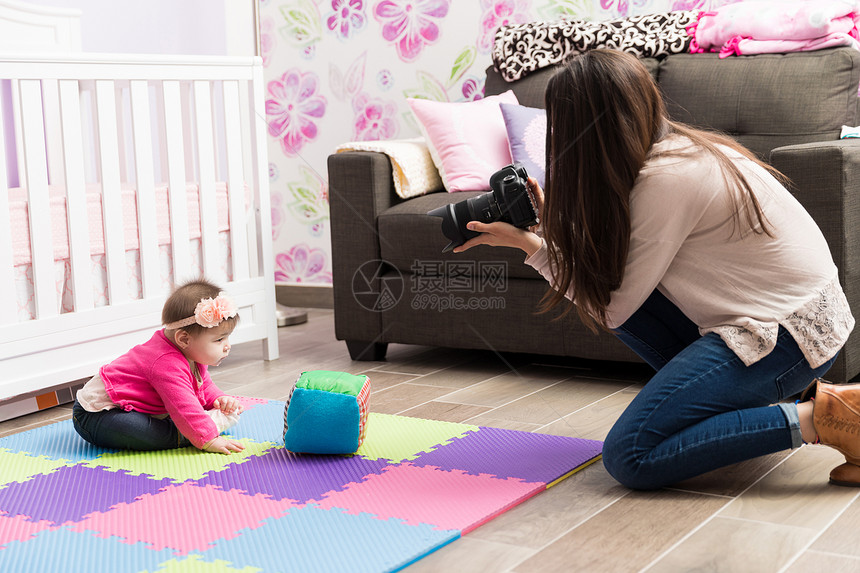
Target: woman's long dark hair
604 113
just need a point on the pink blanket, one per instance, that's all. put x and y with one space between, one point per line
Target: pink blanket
774 26
20 219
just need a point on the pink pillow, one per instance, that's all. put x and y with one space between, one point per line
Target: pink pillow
468 141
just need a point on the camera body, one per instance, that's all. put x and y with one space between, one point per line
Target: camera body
508 200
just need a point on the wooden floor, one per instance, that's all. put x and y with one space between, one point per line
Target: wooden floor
771 514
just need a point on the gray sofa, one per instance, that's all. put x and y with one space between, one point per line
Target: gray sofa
392 284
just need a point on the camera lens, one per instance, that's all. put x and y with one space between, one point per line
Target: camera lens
508 201
484 208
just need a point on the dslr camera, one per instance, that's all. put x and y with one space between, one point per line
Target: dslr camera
509 201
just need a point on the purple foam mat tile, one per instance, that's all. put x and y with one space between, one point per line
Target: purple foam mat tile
71 492
513 454
282 474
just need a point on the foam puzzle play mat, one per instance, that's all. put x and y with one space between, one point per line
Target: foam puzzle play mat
412 487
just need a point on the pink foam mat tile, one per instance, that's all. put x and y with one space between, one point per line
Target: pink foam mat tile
249 402
184 517
445 499
20 528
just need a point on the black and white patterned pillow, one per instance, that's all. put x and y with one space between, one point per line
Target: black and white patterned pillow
524 48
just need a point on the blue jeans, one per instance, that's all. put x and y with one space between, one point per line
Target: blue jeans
126 430
703 409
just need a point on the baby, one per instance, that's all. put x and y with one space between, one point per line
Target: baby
159 394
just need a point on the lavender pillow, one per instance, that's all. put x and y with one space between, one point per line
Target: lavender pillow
526 128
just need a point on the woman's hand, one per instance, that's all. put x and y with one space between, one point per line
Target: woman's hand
227 404
500 234
223 445
538 199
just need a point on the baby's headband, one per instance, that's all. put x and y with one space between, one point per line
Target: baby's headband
209 312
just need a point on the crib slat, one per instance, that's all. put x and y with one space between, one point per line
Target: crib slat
122 113
247 119
39 204
76 198
8 308
176 171
175 146
111 191
235 180
19 141
145 182
188 127
51 116
206 166
267 258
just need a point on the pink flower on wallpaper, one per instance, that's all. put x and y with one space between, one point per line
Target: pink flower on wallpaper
500 13
346 17
293 109
687 5
268 40
473 89
622 9
277 215
302 264
410 24
375 119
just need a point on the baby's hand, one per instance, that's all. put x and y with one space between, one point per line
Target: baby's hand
227 404
223 445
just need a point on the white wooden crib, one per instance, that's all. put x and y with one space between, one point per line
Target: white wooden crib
123 176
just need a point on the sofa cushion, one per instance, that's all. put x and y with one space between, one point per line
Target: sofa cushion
527 138
530 89
410 239
757 100
467 140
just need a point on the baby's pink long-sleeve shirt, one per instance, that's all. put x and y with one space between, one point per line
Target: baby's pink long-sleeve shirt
156 378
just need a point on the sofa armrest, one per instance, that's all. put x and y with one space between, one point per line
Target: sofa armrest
825 178
360 188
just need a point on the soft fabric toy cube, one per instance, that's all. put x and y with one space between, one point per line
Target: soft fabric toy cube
326 413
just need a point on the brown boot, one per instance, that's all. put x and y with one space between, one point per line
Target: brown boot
836 417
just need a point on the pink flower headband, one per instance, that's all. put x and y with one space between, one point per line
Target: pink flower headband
209 312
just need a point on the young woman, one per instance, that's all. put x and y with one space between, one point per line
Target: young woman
694 254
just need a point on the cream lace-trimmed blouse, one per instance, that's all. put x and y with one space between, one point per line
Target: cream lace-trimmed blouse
728 280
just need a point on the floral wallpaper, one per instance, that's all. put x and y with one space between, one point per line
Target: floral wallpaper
341 70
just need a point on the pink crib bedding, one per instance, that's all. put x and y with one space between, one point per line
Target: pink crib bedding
20 221
19 218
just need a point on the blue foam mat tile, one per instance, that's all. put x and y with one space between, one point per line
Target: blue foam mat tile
71 552
364 543
58 441
261 423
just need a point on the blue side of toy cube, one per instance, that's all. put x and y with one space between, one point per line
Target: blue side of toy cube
320 422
